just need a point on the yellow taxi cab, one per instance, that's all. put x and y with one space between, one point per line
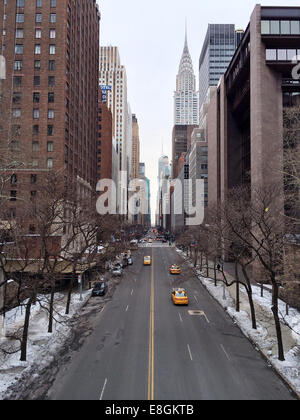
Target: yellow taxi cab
179 297
147 260
175 269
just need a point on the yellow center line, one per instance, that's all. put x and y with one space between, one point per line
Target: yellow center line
151 338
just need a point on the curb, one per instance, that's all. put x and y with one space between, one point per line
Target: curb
276 370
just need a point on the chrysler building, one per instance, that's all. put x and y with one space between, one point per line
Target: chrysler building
186 100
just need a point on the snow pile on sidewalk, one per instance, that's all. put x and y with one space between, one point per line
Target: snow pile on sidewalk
42 347
265 342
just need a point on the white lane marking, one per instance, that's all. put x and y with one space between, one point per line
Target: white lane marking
206 318
131 292
222 347
196 299
103 389
180 317
127 308
190 353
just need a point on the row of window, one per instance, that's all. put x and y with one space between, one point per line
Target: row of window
38 18
39 3
17 113
19 49
38 33
18 81
18 65
282 55
280 27
17 97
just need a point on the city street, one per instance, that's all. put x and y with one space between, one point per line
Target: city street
145 348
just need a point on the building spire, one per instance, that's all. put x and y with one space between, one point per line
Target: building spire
186 40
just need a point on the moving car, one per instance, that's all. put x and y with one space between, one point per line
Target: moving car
99 289
179 297
175 269
147 260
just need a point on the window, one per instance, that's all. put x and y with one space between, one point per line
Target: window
37 65
36 80
17 113
50 130
295 27
52 34
19 33
39 3
38 17
14 179
20 17
13 195
36 97
52 49
51 81
36 114
285 27
275 27
271 55
17 97
51 97
49 163
37 49
20 3
52 17
50 114
33 179
19 49
35 130
18 65
50 146
38 33
51 65
35 146
52 3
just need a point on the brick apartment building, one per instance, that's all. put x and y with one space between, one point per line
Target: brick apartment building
50 95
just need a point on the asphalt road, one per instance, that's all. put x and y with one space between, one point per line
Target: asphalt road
145 348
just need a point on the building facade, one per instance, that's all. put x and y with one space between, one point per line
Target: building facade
50 94
219 46
105 142
135 148
181 142
185 97
246 115
113 74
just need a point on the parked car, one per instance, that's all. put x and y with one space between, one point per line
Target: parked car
117 271
130 261
99 289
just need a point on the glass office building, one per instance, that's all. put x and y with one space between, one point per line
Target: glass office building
219 47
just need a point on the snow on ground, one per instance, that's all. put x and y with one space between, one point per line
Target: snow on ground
290 368
42 347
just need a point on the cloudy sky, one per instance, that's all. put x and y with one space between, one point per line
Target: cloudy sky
150 36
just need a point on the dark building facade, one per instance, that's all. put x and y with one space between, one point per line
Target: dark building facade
181 142
50 94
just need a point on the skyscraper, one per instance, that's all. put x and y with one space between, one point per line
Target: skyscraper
113 74
135 148
218 49
185 96
50 95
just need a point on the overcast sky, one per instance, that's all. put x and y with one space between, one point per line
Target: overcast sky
150 37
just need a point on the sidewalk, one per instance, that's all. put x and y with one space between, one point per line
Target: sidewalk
264 338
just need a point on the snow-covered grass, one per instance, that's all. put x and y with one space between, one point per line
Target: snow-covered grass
264 337
42 347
